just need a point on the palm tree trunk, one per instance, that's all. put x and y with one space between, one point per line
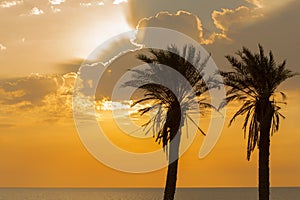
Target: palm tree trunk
264 154
264 179
170 186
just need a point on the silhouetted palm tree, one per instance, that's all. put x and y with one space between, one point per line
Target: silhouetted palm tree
171 98
254 83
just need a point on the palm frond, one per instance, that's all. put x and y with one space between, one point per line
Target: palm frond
253 82
197 126
162 100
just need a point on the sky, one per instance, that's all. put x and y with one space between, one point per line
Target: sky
43 44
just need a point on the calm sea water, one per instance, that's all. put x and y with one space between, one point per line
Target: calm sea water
145 194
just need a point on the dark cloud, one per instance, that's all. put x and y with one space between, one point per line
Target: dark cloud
138 9
37 98
204 22
88 74
230 18
277 32
178 22
182 22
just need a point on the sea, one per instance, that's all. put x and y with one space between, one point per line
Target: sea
286 193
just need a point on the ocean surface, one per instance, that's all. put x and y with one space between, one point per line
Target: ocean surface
145 194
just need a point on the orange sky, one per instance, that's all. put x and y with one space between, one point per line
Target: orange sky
52 155
41 49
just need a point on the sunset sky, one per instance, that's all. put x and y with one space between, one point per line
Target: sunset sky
44 42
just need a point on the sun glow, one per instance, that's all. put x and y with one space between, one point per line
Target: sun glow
113 105
123 108
108 105
97 32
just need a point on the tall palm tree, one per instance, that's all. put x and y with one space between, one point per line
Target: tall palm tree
254 82
171 98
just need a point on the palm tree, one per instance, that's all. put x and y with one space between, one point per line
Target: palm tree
171 99
254 82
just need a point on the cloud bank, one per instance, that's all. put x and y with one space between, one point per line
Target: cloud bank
194 19
46 96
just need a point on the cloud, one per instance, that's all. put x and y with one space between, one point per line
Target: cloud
137 9
120 1
234 18
8 4
56 6
220 18
35 11
91 3
89 73
56 2
2 47
278 33
183 22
